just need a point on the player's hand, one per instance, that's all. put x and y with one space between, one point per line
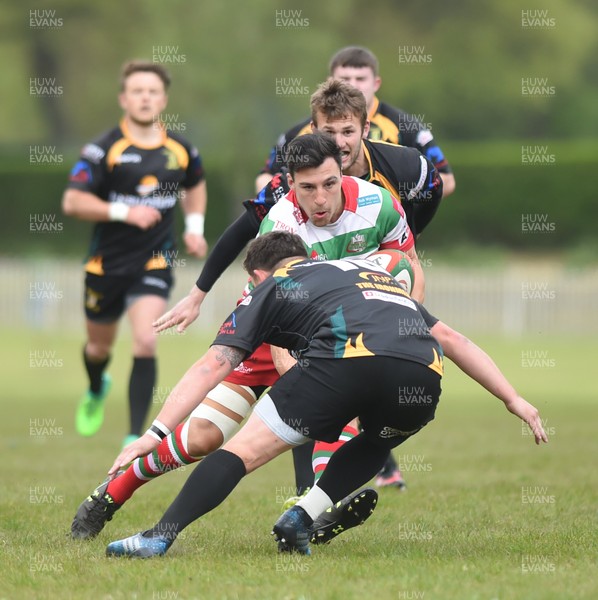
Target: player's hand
144 217
528 413
144 445
196 245
182 314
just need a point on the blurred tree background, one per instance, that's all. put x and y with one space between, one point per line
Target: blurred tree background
226 58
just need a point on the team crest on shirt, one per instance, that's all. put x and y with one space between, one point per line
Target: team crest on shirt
358 243
172 164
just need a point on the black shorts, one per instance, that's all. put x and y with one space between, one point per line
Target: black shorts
106 297
393 398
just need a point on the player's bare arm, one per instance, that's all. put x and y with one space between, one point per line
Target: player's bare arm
89 207
187 394
194 202
473 361
262 180
183 313
448 184
419 283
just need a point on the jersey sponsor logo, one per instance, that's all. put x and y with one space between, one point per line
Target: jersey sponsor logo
93 153
424 137
246 301
368 200
282 226
228 327
376 295
315 256
81 173
157 202
358 243
147 185
127 158
241 368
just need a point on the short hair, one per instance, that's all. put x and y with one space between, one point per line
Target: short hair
143 66
310 151
354 56
337 100
267 251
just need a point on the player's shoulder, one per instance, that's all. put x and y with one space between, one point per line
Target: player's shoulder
398 115
392 152
186 144
285 214
300 128
95 150
361 195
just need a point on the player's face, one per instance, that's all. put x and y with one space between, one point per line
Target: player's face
362 78
143 98
347 133
319 192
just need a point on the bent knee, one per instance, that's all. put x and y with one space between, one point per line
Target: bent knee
203 437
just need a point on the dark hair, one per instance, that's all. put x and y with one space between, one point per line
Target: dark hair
310 151
266 251
338 100
354 56
143 66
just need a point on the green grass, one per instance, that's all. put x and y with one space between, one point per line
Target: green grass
463 530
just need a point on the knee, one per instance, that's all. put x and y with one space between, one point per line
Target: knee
144 345
97 350
203 437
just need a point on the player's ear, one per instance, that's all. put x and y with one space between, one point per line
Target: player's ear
122 101
259 275
290 179
366 129
377 83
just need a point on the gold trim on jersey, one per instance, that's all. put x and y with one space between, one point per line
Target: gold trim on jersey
377 176
116 151
437 364
284 270
179 152
94 266
389 131
125 129
305 129
373 108
358 349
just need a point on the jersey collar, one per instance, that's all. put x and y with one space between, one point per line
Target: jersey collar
374 108
127 135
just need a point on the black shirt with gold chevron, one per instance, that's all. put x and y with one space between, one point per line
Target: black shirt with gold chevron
117 169
334 309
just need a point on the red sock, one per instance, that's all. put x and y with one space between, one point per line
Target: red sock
169 455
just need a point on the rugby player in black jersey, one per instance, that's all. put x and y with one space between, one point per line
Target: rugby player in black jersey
358 67
128 182
338 109
355 359
407 173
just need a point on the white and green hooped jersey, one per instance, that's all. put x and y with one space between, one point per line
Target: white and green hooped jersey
372 219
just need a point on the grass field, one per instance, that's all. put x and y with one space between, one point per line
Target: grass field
487 515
